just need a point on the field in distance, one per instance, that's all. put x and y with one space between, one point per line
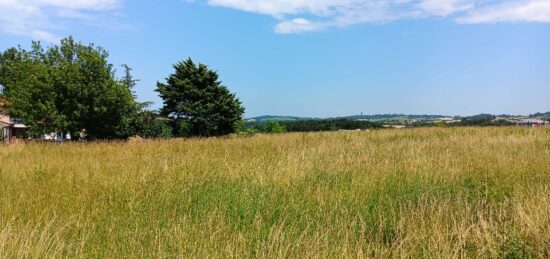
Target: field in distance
427 192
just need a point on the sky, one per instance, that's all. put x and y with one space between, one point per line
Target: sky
318 58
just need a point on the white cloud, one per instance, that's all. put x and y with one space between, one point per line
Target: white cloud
298 25
38 18
525 11
81 4
41 19
296 16
444 8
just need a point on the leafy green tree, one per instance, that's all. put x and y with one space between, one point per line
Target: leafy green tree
67 88
27 88
198 102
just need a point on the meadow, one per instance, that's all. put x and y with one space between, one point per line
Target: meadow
416 193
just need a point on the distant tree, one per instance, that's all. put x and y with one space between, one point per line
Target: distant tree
67 88
540 115
149 124
440 124
274 127
314 125
128 80
198 102
478 120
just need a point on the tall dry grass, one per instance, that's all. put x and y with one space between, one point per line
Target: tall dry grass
441 193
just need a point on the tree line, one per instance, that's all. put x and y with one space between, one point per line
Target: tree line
72 87
311 125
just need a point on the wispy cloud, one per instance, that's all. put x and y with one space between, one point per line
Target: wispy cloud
40 19
296 16
523 11
44 19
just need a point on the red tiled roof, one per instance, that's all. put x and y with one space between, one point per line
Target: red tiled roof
5 119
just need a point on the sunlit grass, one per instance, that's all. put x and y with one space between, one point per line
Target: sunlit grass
464 192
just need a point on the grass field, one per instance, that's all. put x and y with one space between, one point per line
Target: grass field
434 192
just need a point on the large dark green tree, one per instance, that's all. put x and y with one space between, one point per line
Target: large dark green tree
67 88
198 102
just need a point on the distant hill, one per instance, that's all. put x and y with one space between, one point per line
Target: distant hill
391 118
540 115
378 117
394 117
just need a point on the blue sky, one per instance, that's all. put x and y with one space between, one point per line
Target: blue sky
319 57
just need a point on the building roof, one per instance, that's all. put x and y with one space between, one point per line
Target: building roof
3 104
446 119
5 119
